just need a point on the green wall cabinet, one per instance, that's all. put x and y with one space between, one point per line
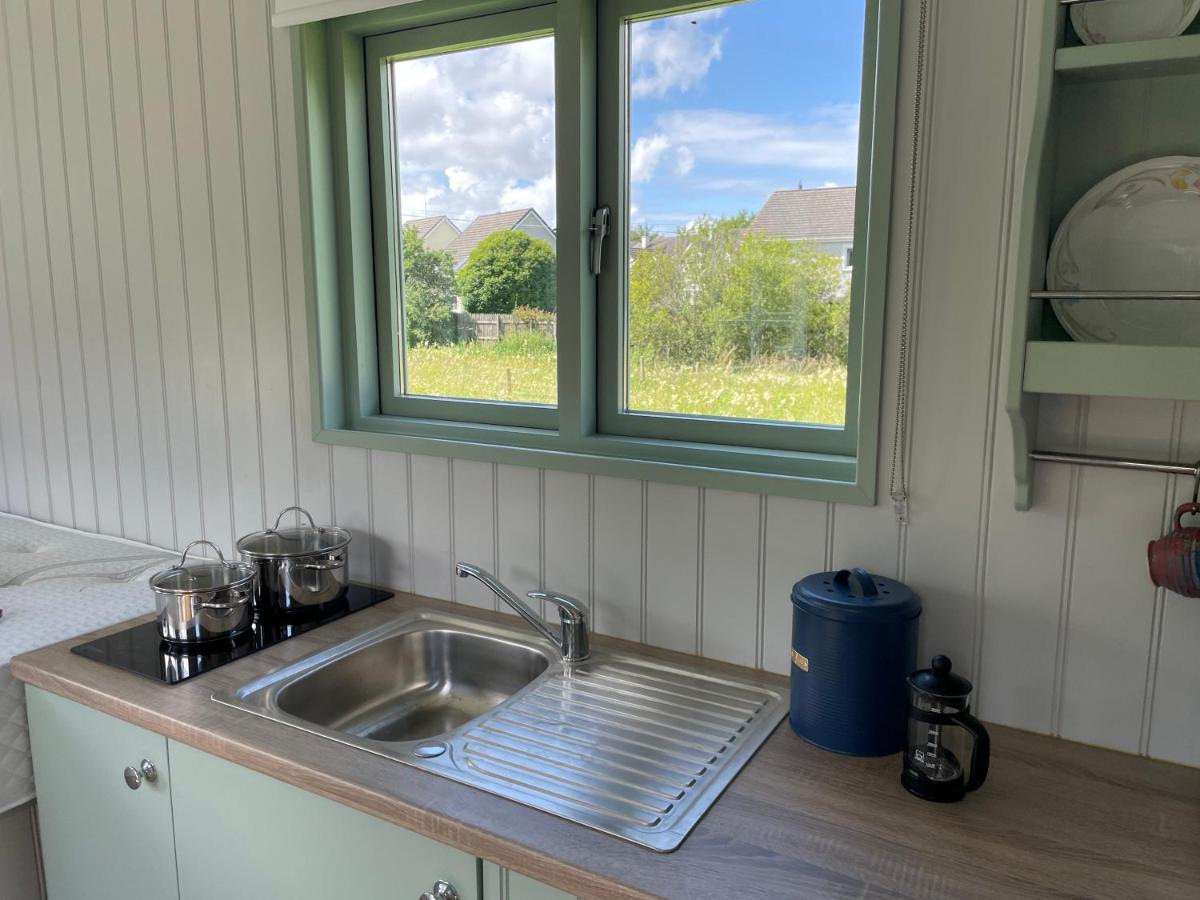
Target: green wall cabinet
207 829
100 839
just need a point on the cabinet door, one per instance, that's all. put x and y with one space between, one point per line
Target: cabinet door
500 883
101 840
244 836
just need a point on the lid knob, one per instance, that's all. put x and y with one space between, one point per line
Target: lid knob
941 665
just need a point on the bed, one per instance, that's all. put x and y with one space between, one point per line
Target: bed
56 583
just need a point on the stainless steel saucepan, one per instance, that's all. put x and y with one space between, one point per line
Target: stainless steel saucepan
203 601
298 568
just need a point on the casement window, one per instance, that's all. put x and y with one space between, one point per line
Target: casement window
603 235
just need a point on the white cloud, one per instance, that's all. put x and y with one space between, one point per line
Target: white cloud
647 153
675 52
685 161
475 131
828 139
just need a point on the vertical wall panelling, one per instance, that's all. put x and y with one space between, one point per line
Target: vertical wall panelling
731 583
61 257
672 566
264 253
90 300
34 490
474 528
389 519
1172 715
352 503
141 280
167 255
518 528
200 289
1111 599
154 383
39 288
566 536
795 547
227 226
431 538
618 547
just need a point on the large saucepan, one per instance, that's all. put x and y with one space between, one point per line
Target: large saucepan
298 568
203 601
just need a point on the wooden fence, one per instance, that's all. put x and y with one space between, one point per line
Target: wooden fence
491 327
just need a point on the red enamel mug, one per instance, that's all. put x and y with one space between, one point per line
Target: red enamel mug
1173 557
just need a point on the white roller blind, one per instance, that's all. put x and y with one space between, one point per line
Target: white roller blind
297 12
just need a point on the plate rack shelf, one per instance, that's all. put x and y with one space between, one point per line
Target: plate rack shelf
1085 112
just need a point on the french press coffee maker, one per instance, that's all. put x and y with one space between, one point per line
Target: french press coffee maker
941 730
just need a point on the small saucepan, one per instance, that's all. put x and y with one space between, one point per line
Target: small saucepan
203 601
298 568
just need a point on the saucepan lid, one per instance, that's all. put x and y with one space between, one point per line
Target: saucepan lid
202 576
302 540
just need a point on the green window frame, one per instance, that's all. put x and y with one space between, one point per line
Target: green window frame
351 271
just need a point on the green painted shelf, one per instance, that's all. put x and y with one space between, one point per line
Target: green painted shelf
1112 370
1134 59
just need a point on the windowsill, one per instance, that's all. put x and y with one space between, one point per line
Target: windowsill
811 476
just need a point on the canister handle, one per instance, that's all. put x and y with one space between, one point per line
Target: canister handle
299 509
865 582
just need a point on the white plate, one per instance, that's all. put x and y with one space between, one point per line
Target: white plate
1137 230
1113 21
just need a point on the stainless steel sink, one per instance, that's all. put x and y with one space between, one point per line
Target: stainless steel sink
633 747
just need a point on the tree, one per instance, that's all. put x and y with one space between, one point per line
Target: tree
508 269
721 292
428 292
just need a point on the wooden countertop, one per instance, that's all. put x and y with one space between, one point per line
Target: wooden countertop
1055 818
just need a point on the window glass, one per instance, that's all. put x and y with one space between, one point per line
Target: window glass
742 158
473 139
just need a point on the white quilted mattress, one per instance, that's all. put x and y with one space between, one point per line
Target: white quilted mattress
56 583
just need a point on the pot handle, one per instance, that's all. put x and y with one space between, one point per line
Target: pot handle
299 509
325 565
237 602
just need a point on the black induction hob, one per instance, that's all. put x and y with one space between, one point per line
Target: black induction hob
142 650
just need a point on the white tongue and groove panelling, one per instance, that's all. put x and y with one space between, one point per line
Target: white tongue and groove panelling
154 385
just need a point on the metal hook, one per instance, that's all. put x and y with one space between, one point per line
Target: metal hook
1196 483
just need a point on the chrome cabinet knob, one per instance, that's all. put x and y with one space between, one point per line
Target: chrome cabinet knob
442 890
133 777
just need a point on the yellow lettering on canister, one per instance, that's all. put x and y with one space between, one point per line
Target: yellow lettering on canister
799 660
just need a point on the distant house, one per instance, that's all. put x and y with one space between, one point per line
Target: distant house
436 232
526 220
823 216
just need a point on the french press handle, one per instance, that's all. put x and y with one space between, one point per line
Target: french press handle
981 748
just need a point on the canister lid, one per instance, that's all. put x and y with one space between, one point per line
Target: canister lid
856 595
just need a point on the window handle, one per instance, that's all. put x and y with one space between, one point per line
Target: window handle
599 230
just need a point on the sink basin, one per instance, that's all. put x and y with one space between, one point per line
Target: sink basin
624 744
413 685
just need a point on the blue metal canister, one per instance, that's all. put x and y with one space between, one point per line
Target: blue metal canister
854 641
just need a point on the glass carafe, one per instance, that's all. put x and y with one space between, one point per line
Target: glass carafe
941 733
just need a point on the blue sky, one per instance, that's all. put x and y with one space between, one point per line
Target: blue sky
728 104
772 102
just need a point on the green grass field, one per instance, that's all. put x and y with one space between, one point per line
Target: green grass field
787 390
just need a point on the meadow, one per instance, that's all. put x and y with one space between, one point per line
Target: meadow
808 391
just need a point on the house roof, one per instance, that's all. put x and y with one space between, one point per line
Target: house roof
489 223
814 214
426 225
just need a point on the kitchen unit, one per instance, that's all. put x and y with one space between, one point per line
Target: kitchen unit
797 821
